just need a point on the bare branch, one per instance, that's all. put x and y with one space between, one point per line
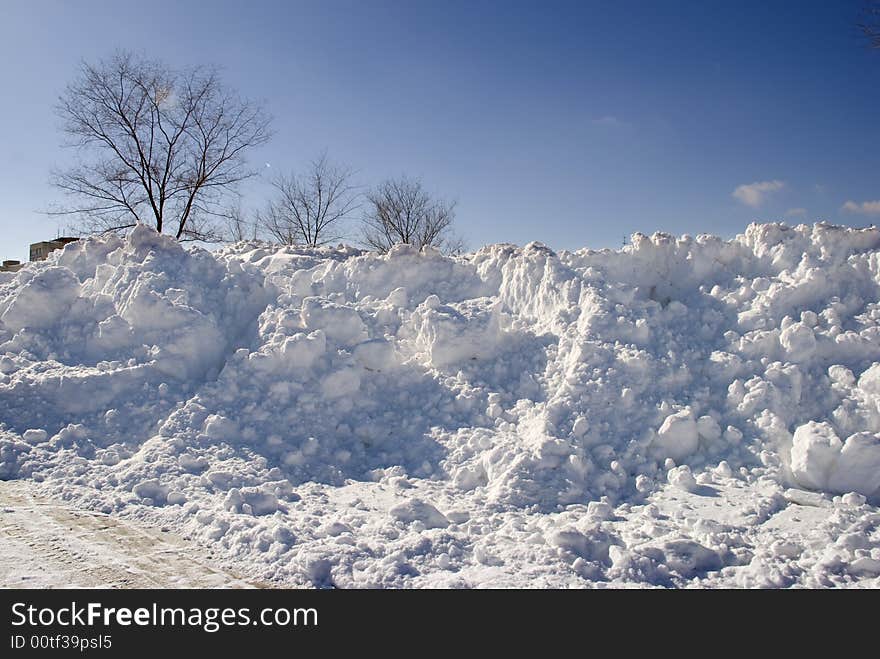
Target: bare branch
237 227
870 23
310 209
401 211
158 146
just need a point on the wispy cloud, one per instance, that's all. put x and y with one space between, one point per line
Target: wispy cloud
754 194
795 212
864 208
609 121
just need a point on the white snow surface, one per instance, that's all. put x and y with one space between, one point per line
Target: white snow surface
680 412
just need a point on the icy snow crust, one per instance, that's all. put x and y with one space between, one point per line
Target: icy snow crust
680 412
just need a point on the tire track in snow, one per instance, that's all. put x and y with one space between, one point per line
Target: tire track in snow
46 544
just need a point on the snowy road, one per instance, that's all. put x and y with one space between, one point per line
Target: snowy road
45 544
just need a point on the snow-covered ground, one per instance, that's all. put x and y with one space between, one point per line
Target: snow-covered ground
44 544
682 412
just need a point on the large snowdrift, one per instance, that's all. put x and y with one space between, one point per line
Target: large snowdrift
510 417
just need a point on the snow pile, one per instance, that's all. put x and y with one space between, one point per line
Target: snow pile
338 417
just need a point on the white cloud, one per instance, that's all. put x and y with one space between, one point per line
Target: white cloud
609 121
864 208
753 194
795 212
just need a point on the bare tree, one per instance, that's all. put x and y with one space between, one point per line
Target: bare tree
236 226
870 23
401 211
158 146
309 209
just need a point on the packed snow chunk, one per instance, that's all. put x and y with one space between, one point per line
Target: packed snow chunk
398 297
193 464
580 426
176 498
599 510
814 451
300 351
470 478
708 428
35 435
375 355
151 490
143 238
799 342
283 535
865 566
841 375
723 470
149 309
689 558
494 411
113 334
416 510
869 381
732 435
454 333
251 501
343 382
341 324
678 437
853 499
644 484
592 544
858 466
682 478
221 428
42 301
187 342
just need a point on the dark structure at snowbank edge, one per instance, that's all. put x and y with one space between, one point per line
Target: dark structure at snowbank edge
39 251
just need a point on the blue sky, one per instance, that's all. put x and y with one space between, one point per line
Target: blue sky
569 123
